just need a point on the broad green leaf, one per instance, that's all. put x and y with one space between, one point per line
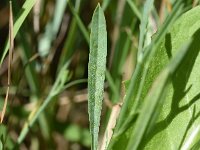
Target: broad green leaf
171 126
26 8
133 94
96 72
183 92
150 109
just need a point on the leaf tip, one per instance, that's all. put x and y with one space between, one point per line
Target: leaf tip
98 7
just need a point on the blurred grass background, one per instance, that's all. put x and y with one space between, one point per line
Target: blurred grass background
56 32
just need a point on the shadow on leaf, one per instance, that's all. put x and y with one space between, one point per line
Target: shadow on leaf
179 81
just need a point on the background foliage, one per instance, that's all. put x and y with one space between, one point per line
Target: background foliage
152 67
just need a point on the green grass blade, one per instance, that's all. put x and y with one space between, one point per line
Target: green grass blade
105 4
52 28
26 8
1 145
80 24
144 23
126 48
31 74
58 15
111 83
96 71
193 140
55 90
196 146
68 49
134 8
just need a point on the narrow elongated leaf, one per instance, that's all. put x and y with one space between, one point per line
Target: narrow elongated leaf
144 23
96 71
1 145
52 28
192 140
11 41
26 8
134 8
58 87
68 48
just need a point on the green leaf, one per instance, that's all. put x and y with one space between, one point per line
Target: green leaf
150 109
133 94
96 72
26 8
6 141
1 145
52 28
80 24
135 9
176 112
193 139
144 23
183 92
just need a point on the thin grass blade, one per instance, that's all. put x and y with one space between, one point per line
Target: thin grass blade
134 8
11 42
144 23
80 23
52 28
55 90
26 8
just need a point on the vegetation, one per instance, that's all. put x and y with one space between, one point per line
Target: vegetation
116 75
